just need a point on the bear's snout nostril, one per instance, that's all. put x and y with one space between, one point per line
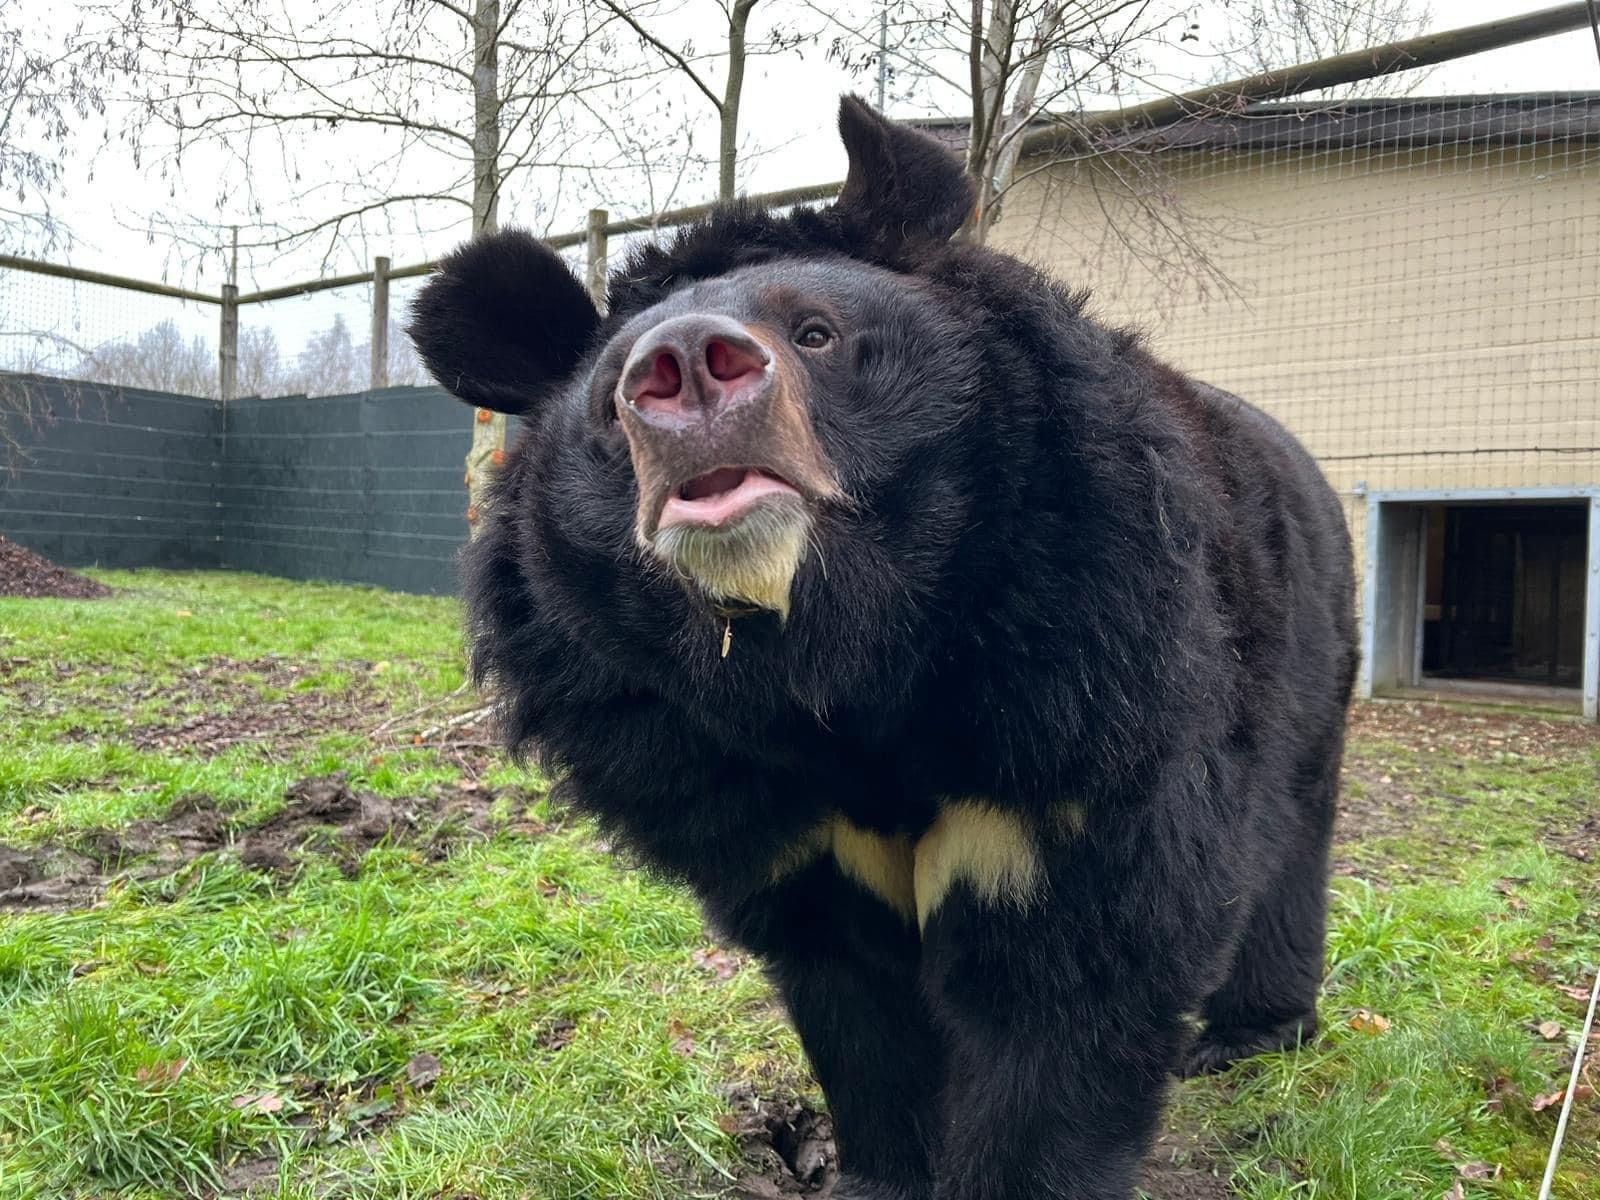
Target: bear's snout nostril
728 362
661 385
701 363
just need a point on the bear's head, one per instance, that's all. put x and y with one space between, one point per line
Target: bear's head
780 433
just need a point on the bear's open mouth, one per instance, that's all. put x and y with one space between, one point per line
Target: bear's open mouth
722 496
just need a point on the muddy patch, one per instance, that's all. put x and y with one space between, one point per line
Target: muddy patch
786 1143
1394 789
214 704
327 815
788 1148
323 815
1177 1168
24 573
46 877
1478 733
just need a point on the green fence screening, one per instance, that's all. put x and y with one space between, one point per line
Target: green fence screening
363 488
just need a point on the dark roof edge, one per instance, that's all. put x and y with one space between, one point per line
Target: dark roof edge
1411 122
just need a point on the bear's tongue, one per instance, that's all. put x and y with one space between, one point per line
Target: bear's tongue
721 496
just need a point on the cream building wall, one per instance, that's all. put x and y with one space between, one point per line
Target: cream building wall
1421 318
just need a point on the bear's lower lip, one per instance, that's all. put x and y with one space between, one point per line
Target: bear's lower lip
722 496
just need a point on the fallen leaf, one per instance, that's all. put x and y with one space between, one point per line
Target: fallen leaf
682 1043
1550 1031
261 1102
1456 1192
1543 1100
183 612
1577 993
1367 1021
1478 1170
423 1070
718 961
558 1036
161 1072
382 1101
1497 1089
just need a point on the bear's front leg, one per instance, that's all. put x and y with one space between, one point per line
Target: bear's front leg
845 958
1059 966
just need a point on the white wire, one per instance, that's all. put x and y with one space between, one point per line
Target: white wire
1572 1090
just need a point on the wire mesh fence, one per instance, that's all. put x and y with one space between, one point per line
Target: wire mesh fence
320 343
1411 285
78 329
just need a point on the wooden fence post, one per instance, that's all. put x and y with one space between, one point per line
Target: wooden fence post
380 322
228 344
595 254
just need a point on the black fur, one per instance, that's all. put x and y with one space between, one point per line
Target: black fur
501 320
1064 572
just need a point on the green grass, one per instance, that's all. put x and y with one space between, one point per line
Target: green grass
221 1020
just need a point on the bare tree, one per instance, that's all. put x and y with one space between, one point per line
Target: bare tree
405 364
48 84
261 370
161 359
445 103
1010 67
1271 34
331 363
1003 67
453 100
646 20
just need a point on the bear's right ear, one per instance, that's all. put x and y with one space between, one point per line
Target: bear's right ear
501 320
903 186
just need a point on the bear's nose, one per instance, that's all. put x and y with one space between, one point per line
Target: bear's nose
695 365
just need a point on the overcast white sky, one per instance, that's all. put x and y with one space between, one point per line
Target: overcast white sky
788 108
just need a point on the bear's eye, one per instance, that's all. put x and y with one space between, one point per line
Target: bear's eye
813 336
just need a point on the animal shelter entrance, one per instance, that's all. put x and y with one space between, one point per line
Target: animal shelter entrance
1484 594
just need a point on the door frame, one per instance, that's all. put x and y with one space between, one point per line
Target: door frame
1394 572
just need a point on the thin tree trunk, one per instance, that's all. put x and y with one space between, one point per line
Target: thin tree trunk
488 428
728 175
993 51
1006 146
976 133
485 116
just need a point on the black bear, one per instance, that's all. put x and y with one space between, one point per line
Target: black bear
984 676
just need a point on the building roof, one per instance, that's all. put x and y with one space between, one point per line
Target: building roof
1409 122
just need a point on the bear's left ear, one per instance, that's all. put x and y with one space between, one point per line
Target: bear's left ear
502 320
902 185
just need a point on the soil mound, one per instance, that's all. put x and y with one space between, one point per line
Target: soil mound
24 573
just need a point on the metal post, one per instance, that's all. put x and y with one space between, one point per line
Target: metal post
380 322
228 344
596 256
1591 618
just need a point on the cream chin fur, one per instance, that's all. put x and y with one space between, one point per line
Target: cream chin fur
752 562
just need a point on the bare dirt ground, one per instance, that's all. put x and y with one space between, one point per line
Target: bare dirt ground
24 573
320 816
1398 749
